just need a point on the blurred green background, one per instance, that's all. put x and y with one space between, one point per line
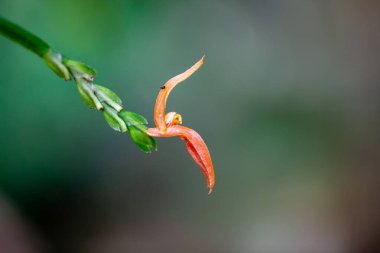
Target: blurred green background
287 102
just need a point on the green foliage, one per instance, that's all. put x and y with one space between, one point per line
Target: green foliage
94 96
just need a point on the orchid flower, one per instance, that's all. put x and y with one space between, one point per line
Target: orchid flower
169 125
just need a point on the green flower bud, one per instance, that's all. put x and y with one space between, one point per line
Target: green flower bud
86 91
139 136
113 120
108 96
79 70
132 119
54 61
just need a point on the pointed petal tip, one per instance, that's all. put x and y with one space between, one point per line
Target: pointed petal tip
200 62
210 189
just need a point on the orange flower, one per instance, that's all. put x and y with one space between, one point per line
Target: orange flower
168 125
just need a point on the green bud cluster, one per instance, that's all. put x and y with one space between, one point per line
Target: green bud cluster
105 100
94 96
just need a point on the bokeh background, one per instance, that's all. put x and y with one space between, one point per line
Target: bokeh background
287 101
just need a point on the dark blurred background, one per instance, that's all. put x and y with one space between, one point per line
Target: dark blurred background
287 102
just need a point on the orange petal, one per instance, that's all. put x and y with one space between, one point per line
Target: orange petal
160 106
196 157
196 147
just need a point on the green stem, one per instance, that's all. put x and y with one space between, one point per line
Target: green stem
36 45
23 37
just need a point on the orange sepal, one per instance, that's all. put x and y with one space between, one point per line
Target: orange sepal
160 106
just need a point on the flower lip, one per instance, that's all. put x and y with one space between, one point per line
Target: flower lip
173 118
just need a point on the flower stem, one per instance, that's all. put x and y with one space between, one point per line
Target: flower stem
23 37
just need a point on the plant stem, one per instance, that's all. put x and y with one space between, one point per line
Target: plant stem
23 37
36 45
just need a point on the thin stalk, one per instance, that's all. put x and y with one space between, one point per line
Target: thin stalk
23 37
